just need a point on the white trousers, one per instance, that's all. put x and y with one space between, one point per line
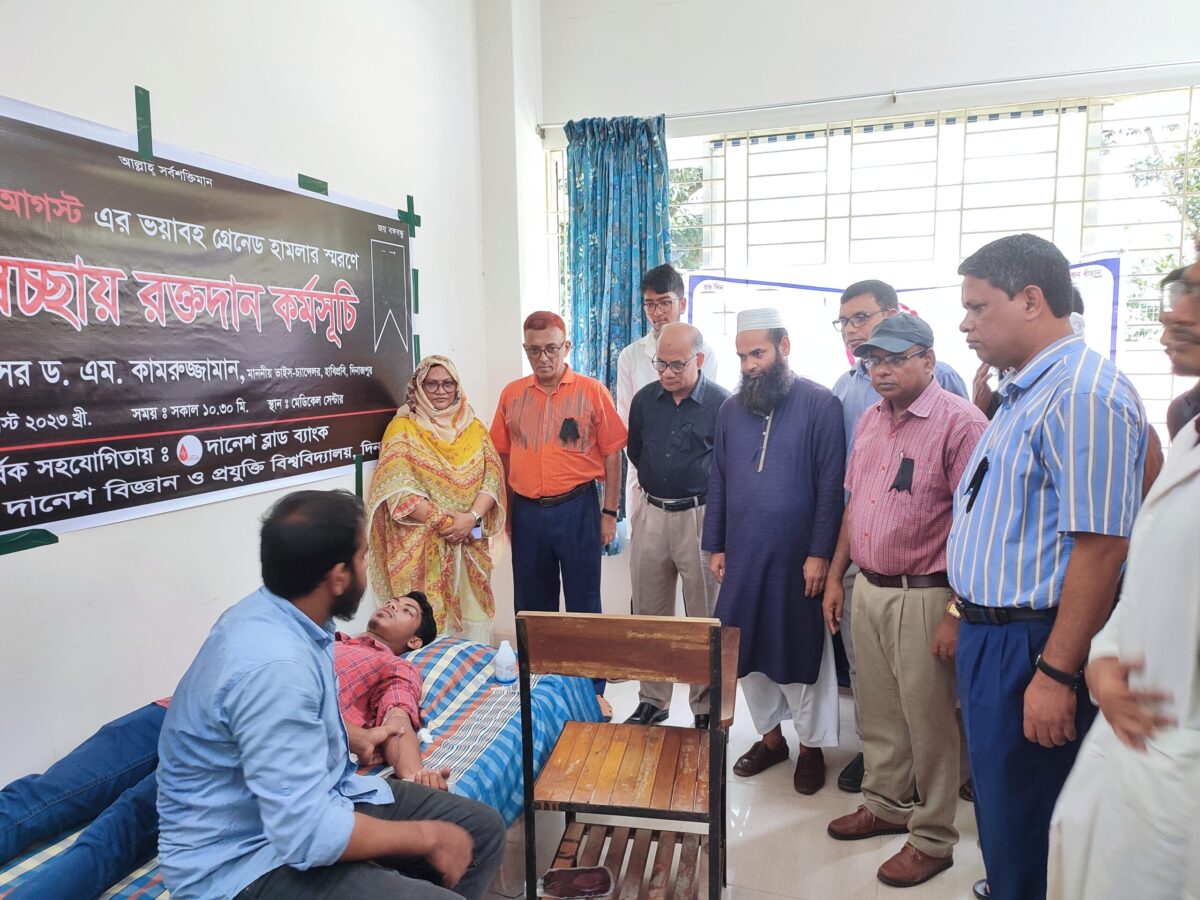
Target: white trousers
813 708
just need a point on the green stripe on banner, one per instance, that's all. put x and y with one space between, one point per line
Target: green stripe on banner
26 540
358 463
416 293
141 100
316 185
416 349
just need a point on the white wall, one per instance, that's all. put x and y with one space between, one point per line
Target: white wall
640 57
379 99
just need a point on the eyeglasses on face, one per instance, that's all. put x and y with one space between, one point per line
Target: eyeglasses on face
675 366
858 320
1175 291
653 306
891 361
440 387
549 351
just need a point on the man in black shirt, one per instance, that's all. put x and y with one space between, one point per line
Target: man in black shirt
672 423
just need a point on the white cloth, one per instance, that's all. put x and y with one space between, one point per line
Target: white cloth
813 708
1125 823
759 319
635 370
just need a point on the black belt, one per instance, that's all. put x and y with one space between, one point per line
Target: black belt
561 498
677 505
1002 615
934 580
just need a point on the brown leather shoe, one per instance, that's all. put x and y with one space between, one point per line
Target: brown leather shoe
810 770
911 867
759 758
862 823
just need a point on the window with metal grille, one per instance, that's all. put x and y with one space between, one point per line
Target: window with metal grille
906 199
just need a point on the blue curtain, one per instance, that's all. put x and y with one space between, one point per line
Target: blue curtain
619 227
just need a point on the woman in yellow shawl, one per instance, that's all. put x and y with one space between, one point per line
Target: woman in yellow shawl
438 479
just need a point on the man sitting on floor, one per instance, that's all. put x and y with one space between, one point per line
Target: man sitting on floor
257 795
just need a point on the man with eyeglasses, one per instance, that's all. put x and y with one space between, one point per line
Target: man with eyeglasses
672 427
664 300
557 433
864 305
910 450
1039 534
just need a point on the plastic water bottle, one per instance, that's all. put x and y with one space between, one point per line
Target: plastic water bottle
505 664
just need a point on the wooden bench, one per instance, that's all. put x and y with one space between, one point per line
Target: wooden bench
634 771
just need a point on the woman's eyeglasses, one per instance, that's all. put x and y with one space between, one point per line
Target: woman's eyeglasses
440 387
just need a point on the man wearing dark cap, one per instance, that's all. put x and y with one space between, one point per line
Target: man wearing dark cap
910 450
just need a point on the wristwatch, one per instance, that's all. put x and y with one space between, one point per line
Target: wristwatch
1071 681
953 610
609 512
478 519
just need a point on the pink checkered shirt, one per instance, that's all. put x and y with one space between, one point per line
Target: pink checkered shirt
903 532
372 680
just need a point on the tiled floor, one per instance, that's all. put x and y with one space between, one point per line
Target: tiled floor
777 841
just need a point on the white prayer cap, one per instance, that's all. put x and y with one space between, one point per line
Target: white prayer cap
758 319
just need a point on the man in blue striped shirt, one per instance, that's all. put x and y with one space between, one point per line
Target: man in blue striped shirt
1041 526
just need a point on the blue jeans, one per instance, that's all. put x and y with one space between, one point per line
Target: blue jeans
547 540
1016 781
109 778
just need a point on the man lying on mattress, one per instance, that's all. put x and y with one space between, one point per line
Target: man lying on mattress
110 777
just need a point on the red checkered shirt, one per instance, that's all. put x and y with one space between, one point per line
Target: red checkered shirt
903 532
372 680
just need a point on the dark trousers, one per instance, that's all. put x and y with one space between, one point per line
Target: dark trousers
406 878
1016 781
549 540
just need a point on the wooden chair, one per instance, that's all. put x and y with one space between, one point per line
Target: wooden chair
638 771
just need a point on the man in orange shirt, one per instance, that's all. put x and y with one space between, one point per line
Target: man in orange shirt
557 432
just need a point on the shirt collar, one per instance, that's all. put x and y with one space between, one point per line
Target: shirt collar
922 407
568 377
1023 379
697 393
365 638
321 635
649 344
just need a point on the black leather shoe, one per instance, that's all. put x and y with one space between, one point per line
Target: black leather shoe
850 780
647 714
702 721
980 889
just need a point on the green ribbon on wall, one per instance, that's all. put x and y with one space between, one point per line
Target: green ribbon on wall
26 540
